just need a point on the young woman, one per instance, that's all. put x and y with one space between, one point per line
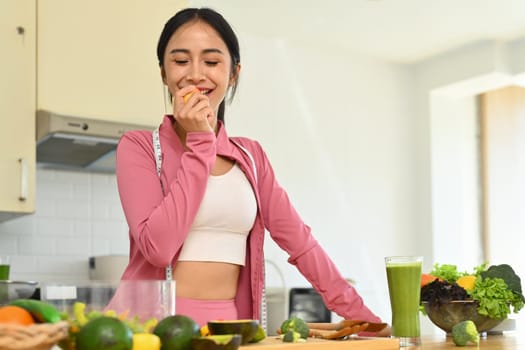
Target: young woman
198 202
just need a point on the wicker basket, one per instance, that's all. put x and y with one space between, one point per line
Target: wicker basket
41 336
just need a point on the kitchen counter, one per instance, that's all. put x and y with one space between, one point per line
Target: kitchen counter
510 341
361 343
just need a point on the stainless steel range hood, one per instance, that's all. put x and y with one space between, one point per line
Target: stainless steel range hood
67 142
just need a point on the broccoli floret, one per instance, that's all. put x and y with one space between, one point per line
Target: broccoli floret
291 337
295 324
464 332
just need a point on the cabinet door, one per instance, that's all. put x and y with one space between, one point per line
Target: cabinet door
17 107
97 58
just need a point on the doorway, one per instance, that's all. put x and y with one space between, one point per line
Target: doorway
478 179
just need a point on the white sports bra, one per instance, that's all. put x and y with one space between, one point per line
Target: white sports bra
158 161
223 221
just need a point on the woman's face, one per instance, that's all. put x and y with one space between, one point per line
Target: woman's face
196 55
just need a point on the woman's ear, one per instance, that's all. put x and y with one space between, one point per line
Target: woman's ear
235 74
163 75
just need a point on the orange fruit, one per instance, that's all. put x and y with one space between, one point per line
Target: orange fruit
426 279
467 282
15 314
189 94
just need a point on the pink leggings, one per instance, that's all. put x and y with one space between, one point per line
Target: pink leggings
202 311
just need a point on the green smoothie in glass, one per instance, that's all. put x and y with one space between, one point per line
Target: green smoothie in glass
4 276
4 272
404 285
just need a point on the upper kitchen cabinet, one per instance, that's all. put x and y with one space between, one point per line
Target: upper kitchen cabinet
97 58
17 107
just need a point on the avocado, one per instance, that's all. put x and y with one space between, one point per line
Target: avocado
176 332
41 311
247 328
259 335
104 333
217 342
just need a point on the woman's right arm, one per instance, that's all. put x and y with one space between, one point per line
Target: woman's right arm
159 223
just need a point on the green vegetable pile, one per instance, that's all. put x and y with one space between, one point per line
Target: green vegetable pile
497 288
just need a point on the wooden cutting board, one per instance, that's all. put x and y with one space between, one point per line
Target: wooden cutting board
354 343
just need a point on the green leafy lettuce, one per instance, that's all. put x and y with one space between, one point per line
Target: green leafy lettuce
495 297
447 272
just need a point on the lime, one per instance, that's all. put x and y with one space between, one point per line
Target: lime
104 333
176 332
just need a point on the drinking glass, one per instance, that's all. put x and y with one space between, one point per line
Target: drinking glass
4 267
404 286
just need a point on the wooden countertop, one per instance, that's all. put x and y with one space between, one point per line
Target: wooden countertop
275 343
510 341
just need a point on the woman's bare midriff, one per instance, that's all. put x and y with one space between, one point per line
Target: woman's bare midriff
206 280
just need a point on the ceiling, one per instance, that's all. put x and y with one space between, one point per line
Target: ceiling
404 31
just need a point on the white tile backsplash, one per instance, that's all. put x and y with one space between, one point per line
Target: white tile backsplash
8 244
78 215
42 245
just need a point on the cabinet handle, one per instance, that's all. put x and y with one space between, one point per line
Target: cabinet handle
23 179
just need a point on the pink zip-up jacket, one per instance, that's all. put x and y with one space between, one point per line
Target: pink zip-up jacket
158 224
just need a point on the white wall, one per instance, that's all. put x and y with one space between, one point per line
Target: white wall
339 134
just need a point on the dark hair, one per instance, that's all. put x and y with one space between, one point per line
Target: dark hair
217 22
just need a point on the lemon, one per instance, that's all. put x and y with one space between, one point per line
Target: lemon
205 331
466 282
146 341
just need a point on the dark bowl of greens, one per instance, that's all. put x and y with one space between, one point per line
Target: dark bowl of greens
447 315
485 296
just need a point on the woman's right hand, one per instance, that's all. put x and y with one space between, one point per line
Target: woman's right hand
196 113
385 332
